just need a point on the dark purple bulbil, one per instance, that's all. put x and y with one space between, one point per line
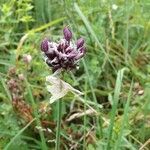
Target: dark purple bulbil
67 34
44 45
63 54
80 42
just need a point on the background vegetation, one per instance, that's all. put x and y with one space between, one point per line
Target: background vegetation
114 76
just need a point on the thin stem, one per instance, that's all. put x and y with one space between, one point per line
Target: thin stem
43 140
85 117
59 106
98 118
127 32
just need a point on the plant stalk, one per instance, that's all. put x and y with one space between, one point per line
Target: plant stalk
59 109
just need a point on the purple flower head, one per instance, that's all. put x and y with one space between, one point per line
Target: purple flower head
63 54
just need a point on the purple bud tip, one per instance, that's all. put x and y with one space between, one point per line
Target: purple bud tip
67 34
80 42
82 50
44 45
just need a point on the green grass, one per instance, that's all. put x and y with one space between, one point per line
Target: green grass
115 105
124 119
17 135
114 75
43 140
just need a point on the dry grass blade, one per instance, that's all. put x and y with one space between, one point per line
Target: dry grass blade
145 144
80 114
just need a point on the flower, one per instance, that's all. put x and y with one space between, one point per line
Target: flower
27 58
63 54
21 77
114 7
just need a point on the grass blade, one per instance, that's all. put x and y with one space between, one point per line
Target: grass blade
98 118
44 147
20 132
88 26
115 104
6 89
124 120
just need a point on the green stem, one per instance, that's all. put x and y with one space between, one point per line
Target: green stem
84 140
59 106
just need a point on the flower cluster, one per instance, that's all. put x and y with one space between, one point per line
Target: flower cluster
64 54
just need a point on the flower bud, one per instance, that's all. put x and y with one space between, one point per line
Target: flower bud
12 71
80 43
21 77
27 58
67 34
44 45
